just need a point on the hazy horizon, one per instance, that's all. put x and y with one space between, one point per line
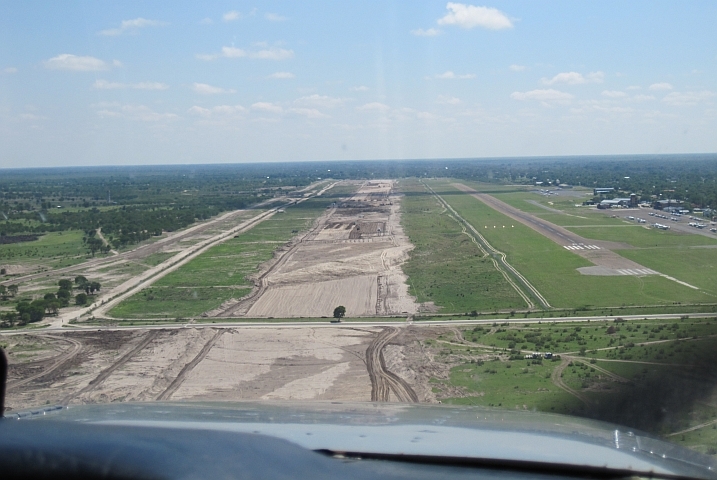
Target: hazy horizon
527 159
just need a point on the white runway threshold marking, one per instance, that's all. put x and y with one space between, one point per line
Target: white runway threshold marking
647 271
581 247
638 271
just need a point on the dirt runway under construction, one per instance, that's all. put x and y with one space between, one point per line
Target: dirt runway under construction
351 256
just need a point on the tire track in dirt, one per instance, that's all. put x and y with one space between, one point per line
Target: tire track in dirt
556 378
105 242
54 363
384 381
605 371
111 369
177 382
692 429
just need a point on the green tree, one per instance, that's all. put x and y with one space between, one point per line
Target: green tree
34 311
8 319
3 292
22 307
81 299
49 297
80 281
12 289
94 244
65 284
92 287
339 312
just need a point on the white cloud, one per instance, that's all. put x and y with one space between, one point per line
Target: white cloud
549 95
575 78
426 116
308 112
135 112
360 88
105 85
518 68
470 16
9 70
633 87
613 94
231 16
228 109
204 89
450 76
131 26
446 99
76 63
273 17
322 101
32 116
600 106
282 75
267 107
232 52
660 86
373 106
273 53
206 21
219 110
201 111
687 99
643 98
431 32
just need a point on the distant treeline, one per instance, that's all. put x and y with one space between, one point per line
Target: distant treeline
133 203
8 239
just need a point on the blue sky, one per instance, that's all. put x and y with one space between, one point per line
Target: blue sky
100 83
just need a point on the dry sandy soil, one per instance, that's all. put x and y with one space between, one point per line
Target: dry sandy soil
341 362
351 257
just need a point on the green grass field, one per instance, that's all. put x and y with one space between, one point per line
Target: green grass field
672 370
510 384
55 249
220 273
552 269
446 267
643 237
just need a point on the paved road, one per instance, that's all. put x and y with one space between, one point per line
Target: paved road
377 323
